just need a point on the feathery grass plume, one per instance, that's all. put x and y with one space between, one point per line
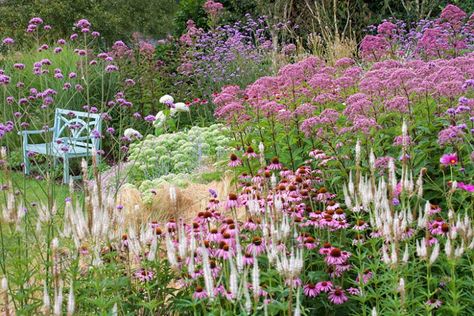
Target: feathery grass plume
255 277
46 308
71 304
6 302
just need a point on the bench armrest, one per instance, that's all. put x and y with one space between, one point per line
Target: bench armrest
41 131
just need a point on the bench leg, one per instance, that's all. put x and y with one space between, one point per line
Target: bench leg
66 170
26 163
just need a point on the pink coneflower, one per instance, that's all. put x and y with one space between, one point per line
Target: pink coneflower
341 268
353 291
154 224
316 214
234 161
250 153
309 242
341 224
408 233
245 177
285 172
328 221
317 154
215 269
293 196
434 303
337 296
213 204
124 241
310 290
326 249
223 251
275 164
233 201
250 225
434 209
435 226
336 256
219 290
324 286
449 159
332 206
257 179
361 225
312 221
229 295
144 275
199 293
171 225
83 250
366 276
358 240
256 246
376 234
247 259
431 241
214 235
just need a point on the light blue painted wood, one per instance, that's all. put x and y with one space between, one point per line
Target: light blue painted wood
75 134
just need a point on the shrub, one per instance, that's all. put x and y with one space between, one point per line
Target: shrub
179 152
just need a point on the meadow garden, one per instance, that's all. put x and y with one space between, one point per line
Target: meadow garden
237 161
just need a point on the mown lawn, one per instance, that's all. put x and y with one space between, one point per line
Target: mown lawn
33 190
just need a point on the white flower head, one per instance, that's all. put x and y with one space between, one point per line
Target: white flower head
4 284
179 107
167 99
132 134
160 119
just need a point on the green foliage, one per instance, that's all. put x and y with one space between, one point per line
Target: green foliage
110 17
190 10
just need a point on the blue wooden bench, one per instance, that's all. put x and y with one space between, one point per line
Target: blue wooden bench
75 134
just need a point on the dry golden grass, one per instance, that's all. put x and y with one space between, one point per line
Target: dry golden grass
189 201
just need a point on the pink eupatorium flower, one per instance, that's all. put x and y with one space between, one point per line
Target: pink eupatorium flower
449 159
452 14
373 47
450 135
213 8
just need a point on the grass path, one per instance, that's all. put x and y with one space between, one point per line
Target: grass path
33 190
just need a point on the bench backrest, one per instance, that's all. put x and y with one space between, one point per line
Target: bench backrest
77 129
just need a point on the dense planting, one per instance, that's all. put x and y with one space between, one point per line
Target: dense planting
351 181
